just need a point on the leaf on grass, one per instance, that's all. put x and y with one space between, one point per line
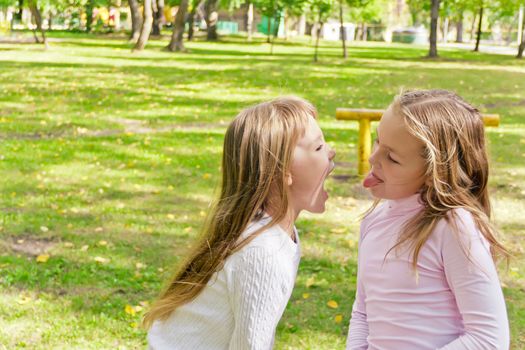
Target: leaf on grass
170 216
68 245
338 318
42 258
310 282
332 304
101 260
44 229
84 248
306 295
188 229
23 299
129 310
102 243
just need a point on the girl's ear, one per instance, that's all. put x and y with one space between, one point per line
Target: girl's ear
289 180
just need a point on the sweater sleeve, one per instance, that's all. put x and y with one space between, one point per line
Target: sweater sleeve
358 330
474 281
259 296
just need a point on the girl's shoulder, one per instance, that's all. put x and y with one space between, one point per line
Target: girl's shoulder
271 240
459 227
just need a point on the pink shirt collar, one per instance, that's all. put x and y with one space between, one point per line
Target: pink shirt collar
404 205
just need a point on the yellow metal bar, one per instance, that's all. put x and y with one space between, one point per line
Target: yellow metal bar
375 115
366 116
365 145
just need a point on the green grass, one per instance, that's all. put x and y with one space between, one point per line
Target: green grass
112 155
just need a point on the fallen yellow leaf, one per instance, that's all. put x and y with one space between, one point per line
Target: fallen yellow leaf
42 258
332 304
23 299
206 176
102 243
306 295
170 216
129 310
338 318
101 260
310 282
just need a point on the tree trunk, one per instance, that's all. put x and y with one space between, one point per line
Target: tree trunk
473 26
89 15
136 20
522 43
191 20
18 13
33 7
158 16
434 15
211 19
459 28
342 30
364 32
268 38
445 30
318 35
176 43
249 20
50 21
146 27
276 31
478 36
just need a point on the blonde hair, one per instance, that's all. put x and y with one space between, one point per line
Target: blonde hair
257 155
457 167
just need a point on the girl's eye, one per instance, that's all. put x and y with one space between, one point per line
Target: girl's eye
319 148
392 160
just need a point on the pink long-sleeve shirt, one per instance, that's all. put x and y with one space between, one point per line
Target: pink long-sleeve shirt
456 301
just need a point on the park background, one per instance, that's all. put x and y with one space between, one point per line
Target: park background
111 136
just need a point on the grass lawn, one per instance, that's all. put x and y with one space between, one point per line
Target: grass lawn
108 161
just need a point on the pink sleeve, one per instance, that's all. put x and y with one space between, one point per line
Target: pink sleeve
358 330
475 284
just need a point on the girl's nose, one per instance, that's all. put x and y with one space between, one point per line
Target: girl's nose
331 154
373 157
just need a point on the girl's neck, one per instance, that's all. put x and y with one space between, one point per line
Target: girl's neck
287 224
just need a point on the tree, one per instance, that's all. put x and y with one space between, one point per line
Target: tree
211 18
322 9
434 15
480 21
177 37
146 26
521 48
37 15
158 16
364 10
136 20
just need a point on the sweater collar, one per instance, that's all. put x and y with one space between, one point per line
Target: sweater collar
404 205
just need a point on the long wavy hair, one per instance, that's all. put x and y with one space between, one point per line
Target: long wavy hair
457 167
257 155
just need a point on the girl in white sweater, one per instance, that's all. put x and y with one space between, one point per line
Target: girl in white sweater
232 289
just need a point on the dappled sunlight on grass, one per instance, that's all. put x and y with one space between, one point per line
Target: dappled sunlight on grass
110 161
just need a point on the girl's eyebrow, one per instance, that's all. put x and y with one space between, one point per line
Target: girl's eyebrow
387 146
318 138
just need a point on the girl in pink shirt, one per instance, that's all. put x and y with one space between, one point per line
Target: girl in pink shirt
426 272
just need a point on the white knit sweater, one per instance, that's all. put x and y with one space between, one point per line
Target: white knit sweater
242 303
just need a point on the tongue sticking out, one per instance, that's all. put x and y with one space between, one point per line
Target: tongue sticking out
371 180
